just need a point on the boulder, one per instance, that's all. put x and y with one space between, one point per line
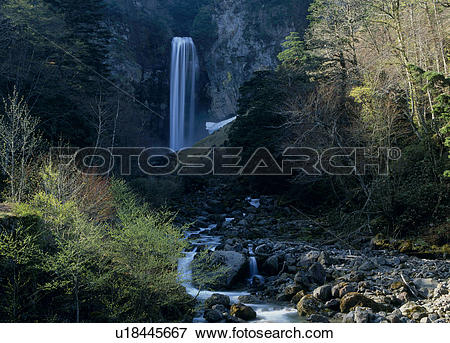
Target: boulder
263 250
271 266
324 259
232 319
411 309
317 273
336 289
392 318
296 298
309 305
249 299
350 300
222 309
212 316
349 317
323 292
425 286
311 257
317 318
234 264
301 279
243 312
348 288
333 304
362 315
290 291
217 299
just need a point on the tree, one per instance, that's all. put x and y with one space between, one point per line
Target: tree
21 258
293 51
85 32
19 141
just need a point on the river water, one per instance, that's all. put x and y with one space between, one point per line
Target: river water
268 313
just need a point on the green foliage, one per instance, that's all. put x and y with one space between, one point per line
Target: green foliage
85 31
258 122
437 87
145 249
21 258
73 267
411 197
293 51
51 52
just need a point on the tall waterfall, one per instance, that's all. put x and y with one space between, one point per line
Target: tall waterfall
183 77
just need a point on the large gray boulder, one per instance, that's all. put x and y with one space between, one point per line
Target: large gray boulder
220 270
323 292
271 266
217 299
212 316
317 273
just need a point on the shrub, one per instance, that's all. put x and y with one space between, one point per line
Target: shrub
67 265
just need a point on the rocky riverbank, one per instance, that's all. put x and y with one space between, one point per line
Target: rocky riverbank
323 282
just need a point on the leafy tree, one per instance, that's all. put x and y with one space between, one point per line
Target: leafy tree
21 257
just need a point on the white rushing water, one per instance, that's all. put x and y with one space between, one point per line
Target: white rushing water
270 313
254 272
183 76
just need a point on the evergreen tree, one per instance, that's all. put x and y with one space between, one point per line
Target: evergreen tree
87 33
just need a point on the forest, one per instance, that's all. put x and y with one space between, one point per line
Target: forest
322 74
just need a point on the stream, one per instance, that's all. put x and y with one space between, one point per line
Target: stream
268 313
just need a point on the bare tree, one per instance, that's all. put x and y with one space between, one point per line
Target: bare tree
19 140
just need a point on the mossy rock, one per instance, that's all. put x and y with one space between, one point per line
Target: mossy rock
353 299
296 298
397 285
309 305
410 308
243 312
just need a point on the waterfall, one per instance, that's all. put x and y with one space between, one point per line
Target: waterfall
183 75
255 278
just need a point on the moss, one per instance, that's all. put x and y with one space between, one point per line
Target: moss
309 305
353 299
409 312
397 285
414 247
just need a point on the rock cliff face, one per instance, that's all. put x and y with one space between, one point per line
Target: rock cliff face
247 38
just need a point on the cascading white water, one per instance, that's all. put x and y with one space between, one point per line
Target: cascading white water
254 272
183 76
270 313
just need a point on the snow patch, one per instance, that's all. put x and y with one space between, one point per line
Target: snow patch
213 127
